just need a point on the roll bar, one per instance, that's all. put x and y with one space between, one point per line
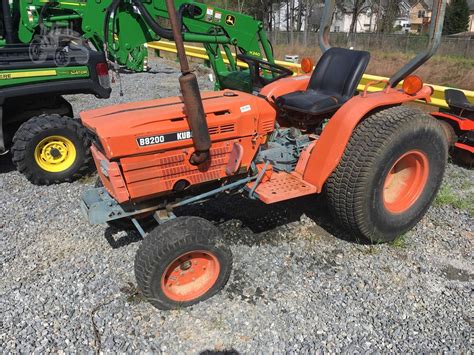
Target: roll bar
434 39
325 27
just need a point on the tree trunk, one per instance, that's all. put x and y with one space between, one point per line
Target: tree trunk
300 16
292 22
308 9
288 20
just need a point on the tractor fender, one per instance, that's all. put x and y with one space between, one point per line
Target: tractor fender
328 150
285 86
460 123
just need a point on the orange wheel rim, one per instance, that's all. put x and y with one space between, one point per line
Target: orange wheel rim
405 181
190 276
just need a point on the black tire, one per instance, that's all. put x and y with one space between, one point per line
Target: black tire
355 190
61 57
165 244
35 130
126 223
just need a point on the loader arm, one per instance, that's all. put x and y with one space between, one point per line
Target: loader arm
128 29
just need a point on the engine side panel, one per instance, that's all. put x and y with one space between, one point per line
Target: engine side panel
151 142
160 125
154 174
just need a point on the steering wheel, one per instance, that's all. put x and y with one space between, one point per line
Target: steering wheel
257 66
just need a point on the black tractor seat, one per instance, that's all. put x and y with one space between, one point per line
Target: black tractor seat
458 104
334 81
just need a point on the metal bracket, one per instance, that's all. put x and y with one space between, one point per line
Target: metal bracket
212 192
99 207
257 181
163 216
2 140
138 227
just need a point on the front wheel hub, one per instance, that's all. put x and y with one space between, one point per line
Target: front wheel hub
405 181
190 276
55 154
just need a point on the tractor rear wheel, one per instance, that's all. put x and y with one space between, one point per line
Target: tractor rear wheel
182 262
51 149
389 174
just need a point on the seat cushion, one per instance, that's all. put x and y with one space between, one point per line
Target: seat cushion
310 101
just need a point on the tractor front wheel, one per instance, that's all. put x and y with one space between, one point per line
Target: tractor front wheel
182 262
51 149
390 173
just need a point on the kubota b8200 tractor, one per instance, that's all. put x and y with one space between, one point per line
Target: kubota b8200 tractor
378 162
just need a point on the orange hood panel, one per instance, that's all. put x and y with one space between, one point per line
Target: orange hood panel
121 128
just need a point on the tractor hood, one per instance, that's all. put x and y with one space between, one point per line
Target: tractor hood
156 125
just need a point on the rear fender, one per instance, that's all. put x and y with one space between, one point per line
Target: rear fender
457 122
285 86
328 150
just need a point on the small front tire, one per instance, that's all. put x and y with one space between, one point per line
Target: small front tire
182 262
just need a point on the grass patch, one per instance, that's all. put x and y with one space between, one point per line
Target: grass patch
455 71
400 241
446 70
370 249
448 197
88 179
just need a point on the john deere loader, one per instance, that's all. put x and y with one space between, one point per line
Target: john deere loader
52 48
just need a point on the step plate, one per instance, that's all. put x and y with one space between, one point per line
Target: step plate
283 186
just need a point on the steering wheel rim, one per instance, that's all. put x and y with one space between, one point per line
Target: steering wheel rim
254 66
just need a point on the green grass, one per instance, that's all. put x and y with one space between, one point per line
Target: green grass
448 197
400 242
88 179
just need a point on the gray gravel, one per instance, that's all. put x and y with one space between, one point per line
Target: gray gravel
299 283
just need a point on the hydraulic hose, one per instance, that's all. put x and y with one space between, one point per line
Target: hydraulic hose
108 14
7 22
155 26
44 9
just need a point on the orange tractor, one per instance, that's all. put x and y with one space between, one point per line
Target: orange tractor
458 122
379 163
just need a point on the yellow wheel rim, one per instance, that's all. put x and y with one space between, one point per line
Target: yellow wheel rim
55 154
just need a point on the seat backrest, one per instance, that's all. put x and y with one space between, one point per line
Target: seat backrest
339 71
455 98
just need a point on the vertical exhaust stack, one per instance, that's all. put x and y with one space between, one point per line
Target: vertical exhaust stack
191 95
434 40
325 26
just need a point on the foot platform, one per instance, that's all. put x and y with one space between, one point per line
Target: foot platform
283 186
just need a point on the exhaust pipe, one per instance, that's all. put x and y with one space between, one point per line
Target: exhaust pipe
434 40
325 26
191 95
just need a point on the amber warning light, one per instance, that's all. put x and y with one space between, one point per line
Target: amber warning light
412 84
307 65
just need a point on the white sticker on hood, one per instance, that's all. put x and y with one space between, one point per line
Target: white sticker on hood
245 108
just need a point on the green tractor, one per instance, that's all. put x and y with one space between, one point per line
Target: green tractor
52 48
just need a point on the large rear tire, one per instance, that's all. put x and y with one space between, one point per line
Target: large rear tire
51 149
389 174
182 262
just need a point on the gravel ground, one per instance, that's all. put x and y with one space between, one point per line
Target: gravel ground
298 284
